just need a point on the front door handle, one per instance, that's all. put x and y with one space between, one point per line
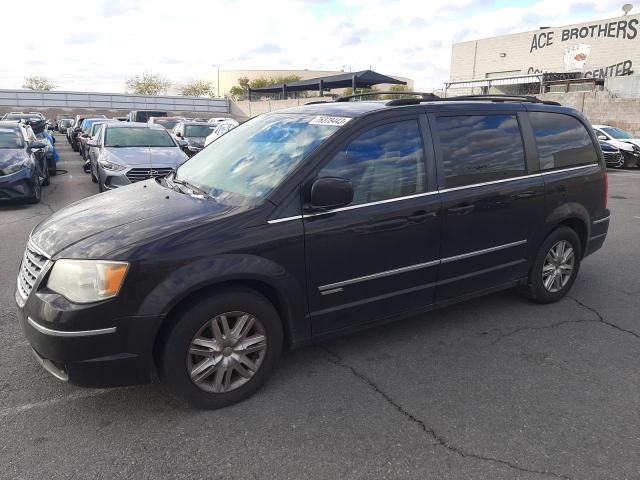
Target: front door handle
527 194
461 210
420 216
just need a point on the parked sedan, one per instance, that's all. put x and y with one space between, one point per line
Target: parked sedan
628 144
22 171
220 129
64 124
195 134
128 152
612 155
85 134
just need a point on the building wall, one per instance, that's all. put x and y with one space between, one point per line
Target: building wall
229 78
602 48
602 108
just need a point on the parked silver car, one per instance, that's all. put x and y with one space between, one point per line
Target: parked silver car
194 133
128 152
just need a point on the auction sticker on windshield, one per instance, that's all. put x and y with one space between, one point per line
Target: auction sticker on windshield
326 120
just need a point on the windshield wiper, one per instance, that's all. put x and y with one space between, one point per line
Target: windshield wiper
190 186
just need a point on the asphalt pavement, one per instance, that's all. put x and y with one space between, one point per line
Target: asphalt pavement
494 388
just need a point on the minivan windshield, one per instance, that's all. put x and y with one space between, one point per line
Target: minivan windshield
617 133
11 138
252 159
137 137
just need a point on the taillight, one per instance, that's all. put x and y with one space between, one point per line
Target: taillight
606 188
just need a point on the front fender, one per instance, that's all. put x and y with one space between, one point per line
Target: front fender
208 272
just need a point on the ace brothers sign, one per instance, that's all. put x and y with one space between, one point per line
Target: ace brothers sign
578 47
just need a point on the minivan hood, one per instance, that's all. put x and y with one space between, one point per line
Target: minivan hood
113 222
146 156
11 156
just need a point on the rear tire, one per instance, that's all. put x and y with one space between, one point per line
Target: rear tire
222 349
556 266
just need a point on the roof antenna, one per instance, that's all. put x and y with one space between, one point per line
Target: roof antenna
626 8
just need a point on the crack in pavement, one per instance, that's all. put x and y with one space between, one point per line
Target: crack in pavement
601 319
438 439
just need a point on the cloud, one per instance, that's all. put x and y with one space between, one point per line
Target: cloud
115 39
81 38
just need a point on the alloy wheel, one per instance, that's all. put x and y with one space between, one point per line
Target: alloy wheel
226 352
558 266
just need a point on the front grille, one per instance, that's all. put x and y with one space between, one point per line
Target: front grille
138 174
613 158
33 263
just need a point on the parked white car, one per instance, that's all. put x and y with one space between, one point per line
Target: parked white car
220 130
218 120
628 144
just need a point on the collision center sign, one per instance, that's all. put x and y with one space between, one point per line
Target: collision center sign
579 44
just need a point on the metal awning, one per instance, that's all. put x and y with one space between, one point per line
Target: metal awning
496 81
362 79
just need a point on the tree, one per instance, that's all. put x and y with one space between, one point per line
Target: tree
35 82
397 88
147 84
241 90
198 88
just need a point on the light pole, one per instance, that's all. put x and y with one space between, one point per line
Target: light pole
218 87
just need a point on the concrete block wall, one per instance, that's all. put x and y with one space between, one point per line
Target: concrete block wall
603 108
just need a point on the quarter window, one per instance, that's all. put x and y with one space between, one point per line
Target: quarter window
480 148
385 162
562 140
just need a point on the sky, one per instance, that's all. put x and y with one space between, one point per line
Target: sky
95 46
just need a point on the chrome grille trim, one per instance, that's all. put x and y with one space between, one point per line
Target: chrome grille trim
34 263
140 174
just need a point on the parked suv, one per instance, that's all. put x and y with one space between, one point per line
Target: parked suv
307 223
144 115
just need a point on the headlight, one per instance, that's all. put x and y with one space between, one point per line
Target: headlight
17 167
111 166
85 281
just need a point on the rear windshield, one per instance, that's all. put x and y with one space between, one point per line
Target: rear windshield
198 130
137 137
11 138
168 124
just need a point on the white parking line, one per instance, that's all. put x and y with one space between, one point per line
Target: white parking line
24 408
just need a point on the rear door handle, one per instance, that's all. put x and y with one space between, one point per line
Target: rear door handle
461 210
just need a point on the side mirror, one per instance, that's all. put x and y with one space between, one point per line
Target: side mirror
37 145
331 192
77 129
602 137
178 134
183 143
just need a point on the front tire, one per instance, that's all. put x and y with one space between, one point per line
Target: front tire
556 266
222 350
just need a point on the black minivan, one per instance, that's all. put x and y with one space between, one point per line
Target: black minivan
307 223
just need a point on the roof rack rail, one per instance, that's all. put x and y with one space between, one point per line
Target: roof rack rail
317 102
467 98
502 98
348 98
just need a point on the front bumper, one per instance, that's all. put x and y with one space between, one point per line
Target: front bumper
18 185
88 345
632 159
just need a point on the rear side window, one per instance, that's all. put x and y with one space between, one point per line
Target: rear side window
480 148
562 140
383 163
